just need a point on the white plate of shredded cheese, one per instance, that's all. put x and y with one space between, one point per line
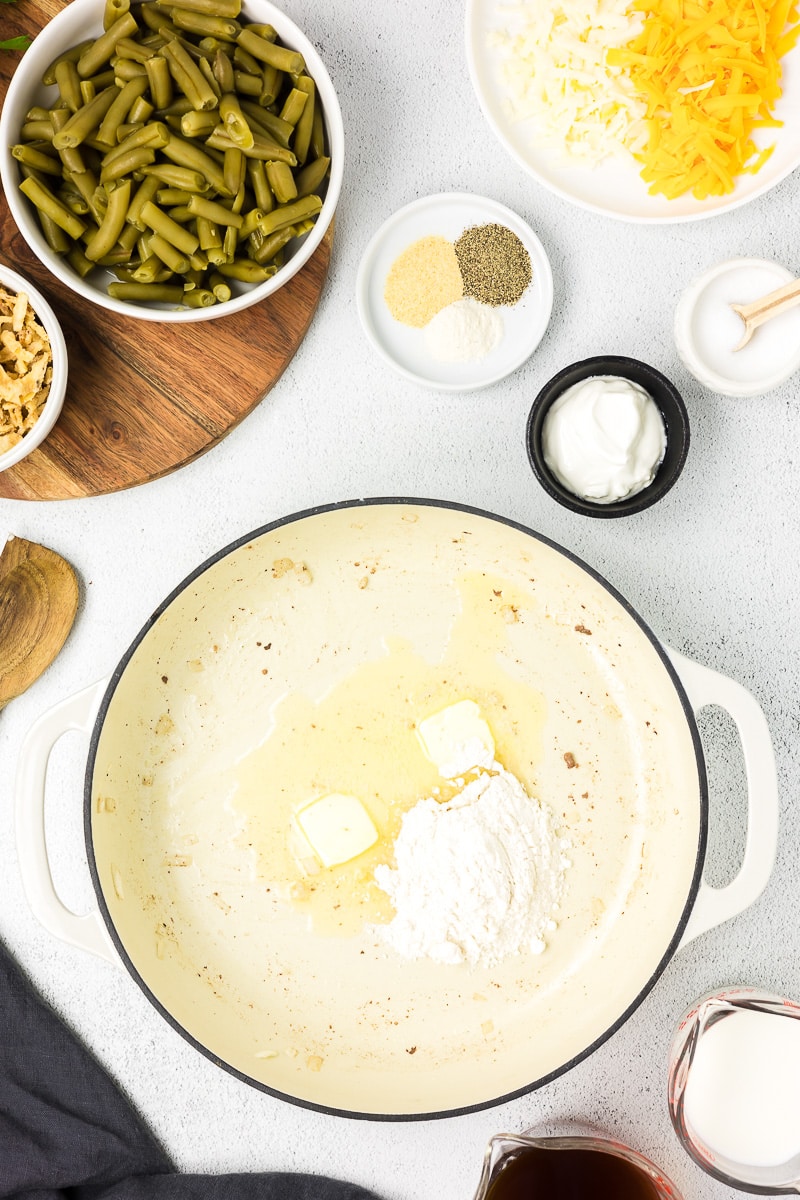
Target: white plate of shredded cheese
572 129
418 311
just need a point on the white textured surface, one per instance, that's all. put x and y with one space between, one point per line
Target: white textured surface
713 568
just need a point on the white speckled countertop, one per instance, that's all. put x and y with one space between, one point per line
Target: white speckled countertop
713 569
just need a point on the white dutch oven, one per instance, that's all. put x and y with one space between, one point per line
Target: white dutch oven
318 641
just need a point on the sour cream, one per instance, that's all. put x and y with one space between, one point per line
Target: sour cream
604 438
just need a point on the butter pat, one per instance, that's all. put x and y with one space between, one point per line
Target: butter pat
457 739
337 828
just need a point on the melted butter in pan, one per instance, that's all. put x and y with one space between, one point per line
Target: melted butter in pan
361 739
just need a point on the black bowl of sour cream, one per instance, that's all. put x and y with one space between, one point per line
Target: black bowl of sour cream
608 436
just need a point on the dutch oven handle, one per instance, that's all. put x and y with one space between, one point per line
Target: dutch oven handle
715 905
86 931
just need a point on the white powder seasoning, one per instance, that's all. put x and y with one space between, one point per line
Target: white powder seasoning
478 878
464 331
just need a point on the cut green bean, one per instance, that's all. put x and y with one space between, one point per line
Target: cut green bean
178 263
305 123
279 57
119 110
86 185
126 69
251 221
235 122
223 72
263 147
160 80
247 85
80 264
245 270
157 21
233 170
41 196
168 197
180 237
141 111
257 178
199 298
102 48
37 159
105 239
178 177
200 206
205 25
220 8
84 123
187 154
188 77
132 160
290 214
219 286
195 124
128 48
113 10
148 270
264 248
165 293
271 83
128 238
318 134
58 241
268 123
281 180
72 55
208 234
268 32
293 106
68 83
153 136
312 176
245 61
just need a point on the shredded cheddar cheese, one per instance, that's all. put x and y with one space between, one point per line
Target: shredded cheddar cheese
682 85
709 72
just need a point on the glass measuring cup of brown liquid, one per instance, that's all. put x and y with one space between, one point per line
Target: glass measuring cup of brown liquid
522 1167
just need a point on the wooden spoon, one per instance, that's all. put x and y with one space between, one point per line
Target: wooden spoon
38 603
766 308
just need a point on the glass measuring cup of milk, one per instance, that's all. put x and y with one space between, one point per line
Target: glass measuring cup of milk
521 1166
734 1088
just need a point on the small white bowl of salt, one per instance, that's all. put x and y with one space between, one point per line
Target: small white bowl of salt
455 292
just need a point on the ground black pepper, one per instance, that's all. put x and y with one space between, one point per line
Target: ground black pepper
494 264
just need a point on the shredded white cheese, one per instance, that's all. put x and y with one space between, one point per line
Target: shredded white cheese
556 78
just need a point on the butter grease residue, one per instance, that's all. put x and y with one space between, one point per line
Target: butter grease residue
361 738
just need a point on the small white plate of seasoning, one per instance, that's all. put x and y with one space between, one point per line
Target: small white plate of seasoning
444 251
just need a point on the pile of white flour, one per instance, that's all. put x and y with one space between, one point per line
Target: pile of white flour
478 878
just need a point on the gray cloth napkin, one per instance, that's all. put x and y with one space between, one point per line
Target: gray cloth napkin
68 1133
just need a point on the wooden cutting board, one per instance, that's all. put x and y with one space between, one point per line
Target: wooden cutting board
144 397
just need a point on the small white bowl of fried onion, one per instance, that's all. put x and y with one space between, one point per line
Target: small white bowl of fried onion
33 368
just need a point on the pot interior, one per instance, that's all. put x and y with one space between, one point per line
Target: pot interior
298 663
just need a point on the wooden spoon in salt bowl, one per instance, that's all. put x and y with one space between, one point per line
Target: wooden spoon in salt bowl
766 308
38 603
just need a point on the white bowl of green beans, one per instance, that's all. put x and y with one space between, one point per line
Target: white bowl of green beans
172 162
